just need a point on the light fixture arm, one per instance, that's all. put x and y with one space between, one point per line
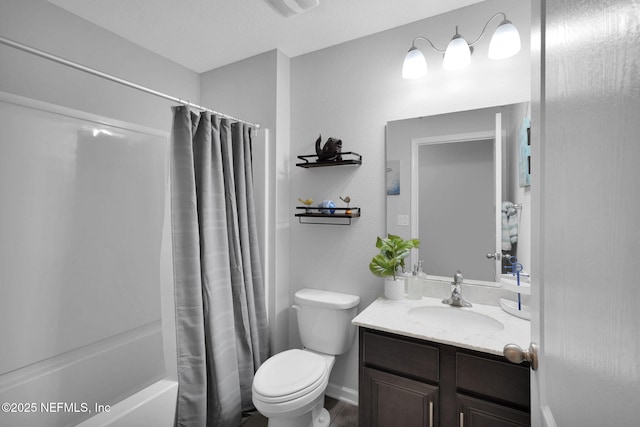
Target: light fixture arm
413 45
484 29
504 18
504 44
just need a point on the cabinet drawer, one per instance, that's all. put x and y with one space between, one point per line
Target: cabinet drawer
399 355
500 380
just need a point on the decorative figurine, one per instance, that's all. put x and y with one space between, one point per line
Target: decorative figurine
331 150
327 207
347 200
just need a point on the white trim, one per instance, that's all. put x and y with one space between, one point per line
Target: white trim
22 101
460 137
547 417
342 393
497 161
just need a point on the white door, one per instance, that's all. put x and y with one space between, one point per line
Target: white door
586 218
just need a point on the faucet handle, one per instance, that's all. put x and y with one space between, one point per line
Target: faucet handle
456 299
458 277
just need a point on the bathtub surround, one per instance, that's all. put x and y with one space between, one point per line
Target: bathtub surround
80 259
41 24
222 331
97 262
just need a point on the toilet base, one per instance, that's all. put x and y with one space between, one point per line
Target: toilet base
323 420
317 417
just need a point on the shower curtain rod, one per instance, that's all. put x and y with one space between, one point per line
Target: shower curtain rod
106 76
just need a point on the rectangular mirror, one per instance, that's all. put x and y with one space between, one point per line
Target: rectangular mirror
447 176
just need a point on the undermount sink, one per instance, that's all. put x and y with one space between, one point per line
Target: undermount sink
456 318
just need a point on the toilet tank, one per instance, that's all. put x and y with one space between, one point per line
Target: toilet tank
324 320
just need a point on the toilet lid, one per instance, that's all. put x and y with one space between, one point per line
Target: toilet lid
289 372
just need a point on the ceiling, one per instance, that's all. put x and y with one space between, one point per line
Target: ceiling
206 34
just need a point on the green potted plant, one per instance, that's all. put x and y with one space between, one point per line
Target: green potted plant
390 262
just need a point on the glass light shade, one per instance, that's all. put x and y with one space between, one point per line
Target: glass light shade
457 55
414 66
505 41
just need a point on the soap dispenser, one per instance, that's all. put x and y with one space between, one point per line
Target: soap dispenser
421 274
414 283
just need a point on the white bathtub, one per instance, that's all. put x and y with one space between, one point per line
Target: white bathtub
153 406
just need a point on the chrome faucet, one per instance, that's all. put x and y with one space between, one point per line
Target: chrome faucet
456 299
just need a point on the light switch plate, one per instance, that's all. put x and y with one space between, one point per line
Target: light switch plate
403 219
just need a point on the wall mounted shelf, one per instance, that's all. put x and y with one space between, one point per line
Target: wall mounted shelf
311 160
314 215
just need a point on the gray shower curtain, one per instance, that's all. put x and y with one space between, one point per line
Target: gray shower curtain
222 333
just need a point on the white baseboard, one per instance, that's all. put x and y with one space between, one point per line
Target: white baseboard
342 393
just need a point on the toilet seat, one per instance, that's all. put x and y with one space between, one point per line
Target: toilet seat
289 375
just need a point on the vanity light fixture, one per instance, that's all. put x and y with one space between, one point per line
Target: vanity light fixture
505 43
288 8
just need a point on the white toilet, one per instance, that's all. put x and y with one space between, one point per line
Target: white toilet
289 387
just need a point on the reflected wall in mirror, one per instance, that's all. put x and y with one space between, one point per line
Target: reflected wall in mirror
455 205
453 177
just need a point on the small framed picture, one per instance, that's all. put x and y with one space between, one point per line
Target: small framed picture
393 178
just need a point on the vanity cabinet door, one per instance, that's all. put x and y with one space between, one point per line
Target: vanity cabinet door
393 401
405 382
480 413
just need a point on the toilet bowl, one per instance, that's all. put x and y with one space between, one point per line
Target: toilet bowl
289 387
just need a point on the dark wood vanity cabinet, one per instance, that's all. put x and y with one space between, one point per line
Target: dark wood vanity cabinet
399 401
409 382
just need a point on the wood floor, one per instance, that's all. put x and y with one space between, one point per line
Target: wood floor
342 415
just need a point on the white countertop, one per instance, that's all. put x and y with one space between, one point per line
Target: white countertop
393 316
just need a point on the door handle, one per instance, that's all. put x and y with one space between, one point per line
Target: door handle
514 354
497 256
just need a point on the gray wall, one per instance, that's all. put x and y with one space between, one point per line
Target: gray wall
40 24
257 89
351 91
456 208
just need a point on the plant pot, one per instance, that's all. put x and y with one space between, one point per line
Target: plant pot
394 289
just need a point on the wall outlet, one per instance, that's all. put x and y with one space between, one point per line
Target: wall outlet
403 220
